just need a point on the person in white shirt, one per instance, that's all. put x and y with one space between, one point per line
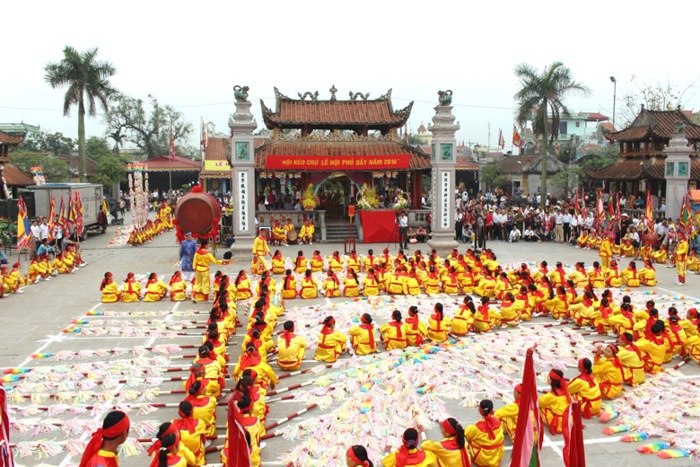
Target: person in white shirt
566 221
559 227
36 234
44 229
531 236
514 235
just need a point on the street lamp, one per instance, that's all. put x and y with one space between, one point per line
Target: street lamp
614 81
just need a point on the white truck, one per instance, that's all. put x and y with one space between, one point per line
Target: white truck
39 197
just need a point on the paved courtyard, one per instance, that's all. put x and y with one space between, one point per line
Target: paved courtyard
55 318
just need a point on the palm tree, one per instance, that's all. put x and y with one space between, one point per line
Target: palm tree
541 93
87 80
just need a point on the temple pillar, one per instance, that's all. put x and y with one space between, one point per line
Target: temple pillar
677 170
444 166
243 189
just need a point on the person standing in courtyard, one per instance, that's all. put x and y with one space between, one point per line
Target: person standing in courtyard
187 250
261 249
681 257
202 260
101 450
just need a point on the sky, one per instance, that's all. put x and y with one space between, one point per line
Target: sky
191 54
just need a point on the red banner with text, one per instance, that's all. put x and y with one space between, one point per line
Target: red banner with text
398 161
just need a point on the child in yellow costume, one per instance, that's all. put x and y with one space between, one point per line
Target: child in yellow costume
316 262
351 284
555 404
630 276
292 348
660 256
416 331
511 309
485 437
607 371
370 284
178 288
309 286
586 390
485 317
463 320
109 289
362 337
647 275
331 343
393 333
508 414
278 262
155 289
331 285
438 325
300 263
452 449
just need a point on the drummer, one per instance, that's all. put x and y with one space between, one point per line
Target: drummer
290 231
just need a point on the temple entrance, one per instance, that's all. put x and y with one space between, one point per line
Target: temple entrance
335 194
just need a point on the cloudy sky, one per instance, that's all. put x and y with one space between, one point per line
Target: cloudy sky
190 54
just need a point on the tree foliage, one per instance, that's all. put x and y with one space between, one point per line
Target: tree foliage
149 129
652 97
87 80
110 169
51 143
542 93
492 176
55 170
575 178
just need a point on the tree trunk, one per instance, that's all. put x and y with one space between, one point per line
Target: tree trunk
81 141
545 149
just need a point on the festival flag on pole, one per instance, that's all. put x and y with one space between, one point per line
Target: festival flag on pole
556 147
78 214
6 459
172 144
52 216
23 233
616 213
238 453
527 446
686 215
538 150
105 209
501 140
517 139
71 211
577 450
62 216
205 139
600 208
577 206
649 210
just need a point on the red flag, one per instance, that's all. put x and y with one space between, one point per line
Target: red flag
517 139
6 459
172 144
577 206
617 213
204 136
526 451
24 234
238 452
577 451
649 210
501 140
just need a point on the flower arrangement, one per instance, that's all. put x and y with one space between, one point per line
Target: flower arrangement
401 200
308 200
368 198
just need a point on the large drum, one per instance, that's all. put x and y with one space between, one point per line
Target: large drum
198 213
292 237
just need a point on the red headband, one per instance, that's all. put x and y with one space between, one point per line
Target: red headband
355 459
96 441
614 348
364 320
449 429
555 376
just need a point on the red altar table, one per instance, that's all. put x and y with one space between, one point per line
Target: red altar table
379 226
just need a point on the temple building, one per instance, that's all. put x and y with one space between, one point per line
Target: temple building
337 145
642 161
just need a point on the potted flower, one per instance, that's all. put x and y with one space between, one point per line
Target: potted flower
401 201
308 200
368 198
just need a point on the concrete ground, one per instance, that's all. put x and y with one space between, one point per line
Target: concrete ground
34 322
